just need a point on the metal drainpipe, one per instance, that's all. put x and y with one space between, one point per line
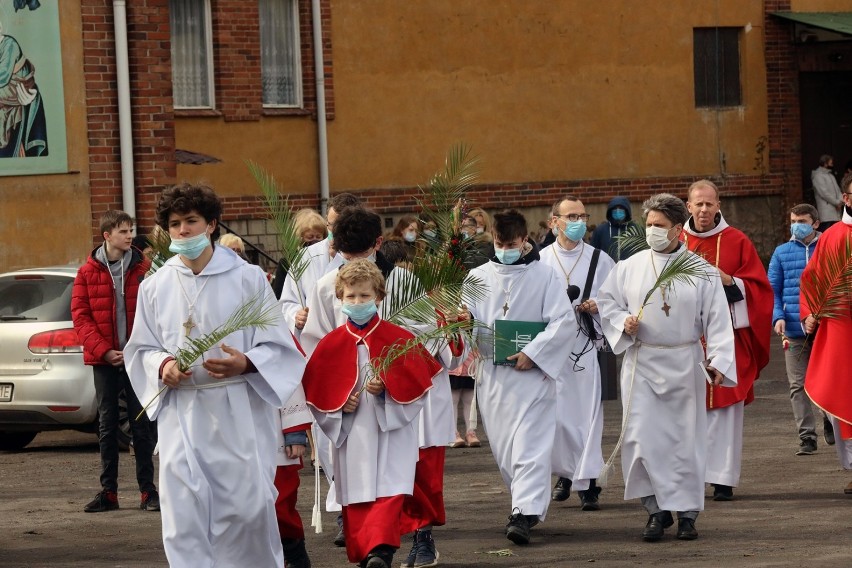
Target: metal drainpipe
125 128
322 132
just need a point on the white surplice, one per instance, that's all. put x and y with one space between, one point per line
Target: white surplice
374 449
518 408
218 441
663 390
577 451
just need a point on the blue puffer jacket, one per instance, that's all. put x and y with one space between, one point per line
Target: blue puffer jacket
785 271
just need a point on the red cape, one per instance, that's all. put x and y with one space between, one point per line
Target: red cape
828 381
332 371
739 258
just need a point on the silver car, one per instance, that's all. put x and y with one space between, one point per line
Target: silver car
44 384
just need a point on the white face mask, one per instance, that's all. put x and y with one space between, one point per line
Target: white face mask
657 238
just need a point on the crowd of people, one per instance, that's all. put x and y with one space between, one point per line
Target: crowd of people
234 379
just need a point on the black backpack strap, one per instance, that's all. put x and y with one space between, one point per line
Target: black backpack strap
593 264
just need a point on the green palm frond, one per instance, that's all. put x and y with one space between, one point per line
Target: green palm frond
258 312
290 243
632 239
828 288
684 269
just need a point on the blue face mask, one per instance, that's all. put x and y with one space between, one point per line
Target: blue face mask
801 230
575 230
359 313
192 247
618 214
507 256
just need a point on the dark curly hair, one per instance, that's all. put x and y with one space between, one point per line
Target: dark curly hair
186 197
356 230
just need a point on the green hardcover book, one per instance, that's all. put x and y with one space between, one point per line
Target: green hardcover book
511 336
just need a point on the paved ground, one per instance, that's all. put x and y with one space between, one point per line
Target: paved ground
789 510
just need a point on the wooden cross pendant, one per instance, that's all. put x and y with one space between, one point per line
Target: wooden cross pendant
666 308
505 307
188 325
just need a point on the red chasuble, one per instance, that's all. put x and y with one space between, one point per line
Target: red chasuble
828 381
731 252
332 371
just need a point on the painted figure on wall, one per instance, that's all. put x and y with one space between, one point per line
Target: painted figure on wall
23 128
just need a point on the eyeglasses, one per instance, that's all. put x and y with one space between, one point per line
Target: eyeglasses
574 217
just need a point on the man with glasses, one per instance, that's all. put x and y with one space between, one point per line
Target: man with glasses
577 458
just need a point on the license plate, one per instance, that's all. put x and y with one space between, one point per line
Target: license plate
6 392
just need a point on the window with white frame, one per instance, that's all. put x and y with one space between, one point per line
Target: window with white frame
280 54
192 53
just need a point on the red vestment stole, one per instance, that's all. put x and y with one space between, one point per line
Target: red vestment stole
828 381
332 371
732 253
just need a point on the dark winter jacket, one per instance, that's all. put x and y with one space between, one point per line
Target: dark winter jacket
785 272
93 304
604 235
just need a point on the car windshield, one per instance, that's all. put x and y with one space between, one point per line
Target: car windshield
35 298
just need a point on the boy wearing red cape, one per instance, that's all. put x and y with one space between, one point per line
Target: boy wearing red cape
826 382
750 299
371 421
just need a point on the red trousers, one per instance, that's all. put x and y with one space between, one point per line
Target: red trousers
287 484
426 505
368 525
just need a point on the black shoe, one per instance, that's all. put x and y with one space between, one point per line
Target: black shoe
827 431
561 490
723 492
412 555
340 539
518 528
103 501
150 501
807 447
380 557
589 498
656 525
686 529
427 554
295 555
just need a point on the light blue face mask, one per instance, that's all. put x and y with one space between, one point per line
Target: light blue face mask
575 230
801 230
618 214
360 313
507 256
192 247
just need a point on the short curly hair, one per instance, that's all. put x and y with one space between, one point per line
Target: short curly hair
186 197
357 271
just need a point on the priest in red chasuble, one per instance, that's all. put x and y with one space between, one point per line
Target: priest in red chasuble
826 382
750 301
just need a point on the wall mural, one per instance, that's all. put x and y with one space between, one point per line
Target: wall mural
32 102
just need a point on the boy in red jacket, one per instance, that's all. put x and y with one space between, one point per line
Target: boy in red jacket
103 303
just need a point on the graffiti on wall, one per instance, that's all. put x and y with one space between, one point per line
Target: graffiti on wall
32 103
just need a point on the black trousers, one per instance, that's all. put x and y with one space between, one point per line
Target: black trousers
109 382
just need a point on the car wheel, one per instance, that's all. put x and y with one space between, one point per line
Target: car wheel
125 438
14 441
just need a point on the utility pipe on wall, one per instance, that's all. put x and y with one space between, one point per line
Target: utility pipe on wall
322 132
125 127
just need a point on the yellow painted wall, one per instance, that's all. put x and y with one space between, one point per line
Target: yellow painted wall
550 90
45 220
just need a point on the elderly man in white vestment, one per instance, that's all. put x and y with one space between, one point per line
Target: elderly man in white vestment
217 420
664 427
577 457
518 403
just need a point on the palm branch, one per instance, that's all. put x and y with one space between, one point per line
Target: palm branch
684 268
290 242
257 312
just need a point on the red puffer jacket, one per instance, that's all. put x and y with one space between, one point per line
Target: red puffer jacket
93 304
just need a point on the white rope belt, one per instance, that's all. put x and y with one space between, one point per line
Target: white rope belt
222 383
